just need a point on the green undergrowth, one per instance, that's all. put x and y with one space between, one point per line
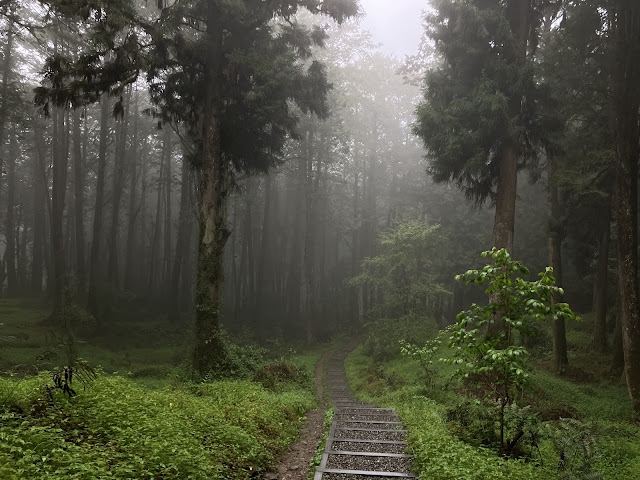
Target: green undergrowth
144 417
143 348
594 416
120 428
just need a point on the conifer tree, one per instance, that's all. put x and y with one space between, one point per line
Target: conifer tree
223 72
478 117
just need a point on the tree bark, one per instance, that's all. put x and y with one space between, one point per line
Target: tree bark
41 206
4 92
167 210
214 191
133 205
310 274
627 136
116 193
21 246
601 284
264 250
94 266
58 193
155 270
518 15
78 178
560 357
504 222
182 243
10 225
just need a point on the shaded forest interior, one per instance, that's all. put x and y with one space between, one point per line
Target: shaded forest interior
200 199
124 202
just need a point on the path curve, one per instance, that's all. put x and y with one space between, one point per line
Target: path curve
365 442
295 464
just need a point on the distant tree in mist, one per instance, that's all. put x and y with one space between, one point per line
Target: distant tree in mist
224 73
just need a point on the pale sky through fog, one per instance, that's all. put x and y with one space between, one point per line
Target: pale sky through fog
396 24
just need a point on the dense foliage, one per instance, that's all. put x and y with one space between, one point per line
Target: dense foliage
119 428
452 437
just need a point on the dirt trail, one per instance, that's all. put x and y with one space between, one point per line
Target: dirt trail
295 464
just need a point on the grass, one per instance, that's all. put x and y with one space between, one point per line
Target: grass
587 392
144 348
119 428
147 420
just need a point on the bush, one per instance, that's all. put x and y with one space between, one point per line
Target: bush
478 423
277 376
425 356
483 337
240 362
384 335
227 430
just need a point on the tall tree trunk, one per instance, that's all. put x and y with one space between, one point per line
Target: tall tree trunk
251 270
166 261
78 178
133 204
617 349
518 12
116 193
264 249
94 266
58 193
236 272
309 240
518 15
294 204
627 136
214 192
560 357
182 243
40 207
4 89
155 271
600 286
10 225
21 244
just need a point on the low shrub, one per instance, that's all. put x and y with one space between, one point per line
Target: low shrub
385 334
478 423
276 376
229 430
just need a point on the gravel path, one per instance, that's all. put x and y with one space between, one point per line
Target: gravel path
380 453
368 447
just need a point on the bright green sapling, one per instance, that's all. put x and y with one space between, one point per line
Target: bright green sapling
488 357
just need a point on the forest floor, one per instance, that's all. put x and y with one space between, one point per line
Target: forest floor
143 416
583 416
296 463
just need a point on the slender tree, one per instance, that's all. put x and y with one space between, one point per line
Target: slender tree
94 263
627 91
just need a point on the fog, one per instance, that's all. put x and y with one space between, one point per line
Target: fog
201 192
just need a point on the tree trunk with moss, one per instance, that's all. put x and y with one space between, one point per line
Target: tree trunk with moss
214 231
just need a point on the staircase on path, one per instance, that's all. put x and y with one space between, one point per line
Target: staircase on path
364 442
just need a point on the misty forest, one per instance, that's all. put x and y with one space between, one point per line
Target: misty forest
240 239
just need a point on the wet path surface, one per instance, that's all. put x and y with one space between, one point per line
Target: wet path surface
365 442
